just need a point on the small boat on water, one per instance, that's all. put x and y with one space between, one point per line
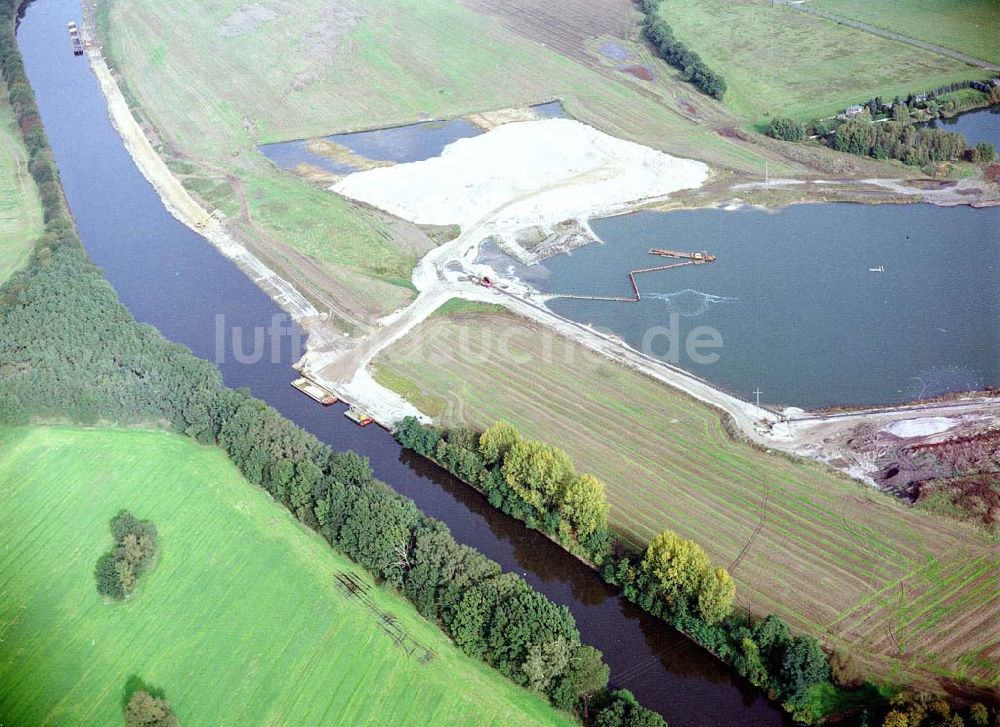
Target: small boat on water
358 417
314 391
879 269
74 38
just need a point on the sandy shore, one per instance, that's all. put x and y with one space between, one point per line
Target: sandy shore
523 174
188 211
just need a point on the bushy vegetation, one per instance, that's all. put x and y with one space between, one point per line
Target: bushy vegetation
528 480
786 129
135 553
59 227
924 710
618 708
146 710
674 52
673 579
984 151
144 705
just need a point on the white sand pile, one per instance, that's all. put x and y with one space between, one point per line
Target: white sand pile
920 427
527 173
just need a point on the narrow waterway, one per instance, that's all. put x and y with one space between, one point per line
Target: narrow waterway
171 278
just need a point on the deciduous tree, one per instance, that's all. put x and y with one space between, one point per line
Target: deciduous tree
495 442
715 595
584 505
675 565
145 710
537 472
803 666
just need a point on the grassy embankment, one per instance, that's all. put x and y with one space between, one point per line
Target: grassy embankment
239 622
20 208
914 596
781 62
968 26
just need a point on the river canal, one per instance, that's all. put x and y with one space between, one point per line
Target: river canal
171 278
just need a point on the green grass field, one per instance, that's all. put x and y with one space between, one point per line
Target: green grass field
782 62
20 208
198 71
239 622
968 26
915 596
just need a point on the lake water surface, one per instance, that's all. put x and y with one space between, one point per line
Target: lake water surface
981 125
397 144
801 315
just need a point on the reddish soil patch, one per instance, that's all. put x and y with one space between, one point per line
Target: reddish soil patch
689 108
644 73
966 470
975 495
731 132
993 172
931 183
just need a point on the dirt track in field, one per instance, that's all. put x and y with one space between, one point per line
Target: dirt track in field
834 557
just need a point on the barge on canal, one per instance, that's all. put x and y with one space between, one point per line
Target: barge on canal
314 391
358 417
74 38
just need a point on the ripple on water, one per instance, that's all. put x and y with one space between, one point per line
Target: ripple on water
690 302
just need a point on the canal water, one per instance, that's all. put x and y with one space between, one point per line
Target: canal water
172 279
813 305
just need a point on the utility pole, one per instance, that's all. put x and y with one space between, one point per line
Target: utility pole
757 392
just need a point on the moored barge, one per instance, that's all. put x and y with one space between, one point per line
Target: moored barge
314 391
358 417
